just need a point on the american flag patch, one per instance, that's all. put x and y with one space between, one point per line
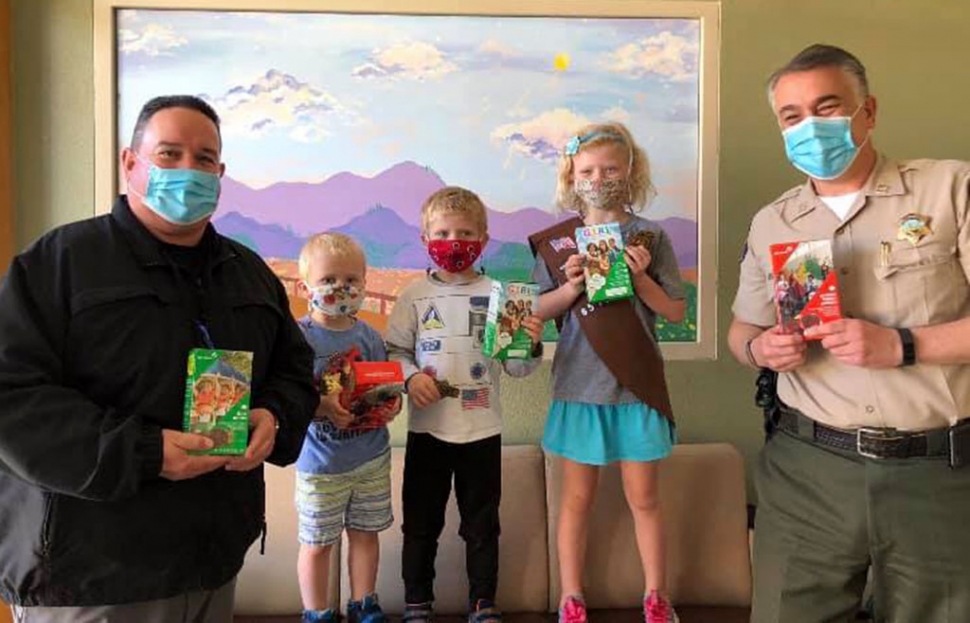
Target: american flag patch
474 398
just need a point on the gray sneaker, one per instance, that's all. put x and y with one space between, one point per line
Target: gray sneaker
418 613
484 611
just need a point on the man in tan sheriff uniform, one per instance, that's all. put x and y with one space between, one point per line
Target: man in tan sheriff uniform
864 468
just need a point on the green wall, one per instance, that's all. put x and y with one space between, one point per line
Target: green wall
915 51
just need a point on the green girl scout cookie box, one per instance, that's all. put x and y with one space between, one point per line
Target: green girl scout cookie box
509 304
605 269
217 398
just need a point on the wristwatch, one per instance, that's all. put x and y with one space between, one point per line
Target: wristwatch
909 347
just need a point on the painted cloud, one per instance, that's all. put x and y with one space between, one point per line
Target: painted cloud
667 55
152 40
541 137
414 60
279 101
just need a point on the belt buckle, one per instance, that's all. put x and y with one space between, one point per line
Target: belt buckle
865 433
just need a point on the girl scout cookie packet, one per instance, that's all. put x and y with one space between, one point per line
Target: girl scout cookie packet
607 275
508 304
217 398
370 390
806 291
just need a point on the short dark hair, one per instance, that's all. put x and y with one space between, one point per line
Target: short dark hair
162 102
822 55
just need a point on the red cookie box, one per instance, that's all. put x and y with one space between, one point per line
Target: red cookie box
804 283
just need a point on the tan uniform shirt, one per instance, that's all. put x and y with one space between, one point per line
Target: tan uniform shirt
911 285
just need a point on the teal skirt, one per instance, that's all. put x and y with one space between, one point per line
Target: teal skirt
600 434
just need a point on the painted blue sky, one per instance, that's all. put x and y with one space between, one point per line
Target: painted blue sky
304 96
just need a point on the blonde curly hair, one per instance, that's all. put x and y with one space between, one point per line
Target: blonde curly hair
593 135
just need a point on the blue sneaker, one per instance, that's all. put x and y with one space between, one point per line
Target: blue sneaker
316 616
484 611
367 610
418 613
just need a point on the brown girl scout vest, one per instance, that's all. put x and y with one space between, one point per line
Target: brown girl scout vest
613 329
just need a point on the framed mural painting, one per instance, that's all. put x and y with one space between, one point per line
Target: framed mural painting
340 115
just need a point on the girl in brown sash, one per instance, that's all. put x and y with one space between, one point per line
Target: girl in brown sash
610 399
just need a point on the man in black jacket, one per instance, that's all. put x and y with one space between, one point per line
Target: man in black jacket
105 512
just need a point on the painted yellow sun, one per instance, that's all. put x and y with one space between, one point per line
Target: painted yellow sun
561 61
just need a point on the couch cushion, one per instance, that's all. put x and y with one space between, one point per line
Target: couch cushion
702 492
268 584
523 553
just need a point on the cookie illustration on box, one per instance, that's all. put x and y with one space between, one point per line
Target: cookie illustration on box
446 389
641 238
217 392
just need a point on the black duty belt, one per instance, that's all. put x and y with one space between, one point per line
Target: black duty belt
882 443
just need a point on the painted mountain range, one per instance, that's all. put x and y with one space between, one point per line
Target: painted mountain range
383 213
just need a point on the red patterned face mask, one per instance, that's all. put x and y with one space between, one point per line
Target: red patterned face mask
454 256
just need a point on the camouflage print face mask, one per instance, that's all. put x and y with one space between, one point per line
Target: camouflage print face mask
605 195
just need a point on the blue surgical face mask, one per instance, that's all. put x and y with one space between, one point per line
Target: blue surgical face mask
822 147
180 196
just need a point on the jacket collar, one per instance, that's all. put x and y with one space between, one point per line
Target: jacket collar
147 249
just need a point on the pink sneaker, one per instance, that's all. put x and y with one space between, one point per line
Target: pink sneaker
573 611
657 609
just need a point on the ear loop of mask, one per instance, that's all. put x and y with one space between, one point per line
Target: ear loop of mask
131 189
868 132
148 175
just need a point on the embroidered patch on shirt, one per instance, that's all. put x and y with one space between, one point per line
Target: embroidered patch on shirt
478 370
475 398
430 346
431 319
561 244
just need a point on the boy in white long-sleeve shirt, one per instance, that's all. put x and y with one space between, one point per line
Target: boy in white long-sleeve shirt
436 332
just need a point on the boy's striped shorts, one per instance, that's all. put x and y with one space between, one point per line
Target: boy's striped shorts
357 500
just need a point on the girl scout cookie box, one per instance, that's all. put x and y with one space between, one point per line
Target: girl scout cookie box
370 390
607 275
217 398
806 289
508 305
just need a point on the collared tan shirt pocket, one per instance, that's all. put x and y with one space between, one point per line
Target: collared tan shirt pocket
917 283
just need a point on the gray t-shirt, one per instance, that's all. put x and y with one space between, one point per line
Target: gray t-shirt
579 375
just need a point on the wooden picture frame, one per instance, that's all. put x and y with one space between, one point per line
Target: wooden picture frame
7 237
705 70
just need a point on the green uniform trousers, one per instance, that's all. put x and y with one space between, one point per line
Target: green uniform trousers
825 517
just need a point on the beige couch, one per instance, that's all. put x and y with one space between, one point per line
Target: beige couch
703 493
